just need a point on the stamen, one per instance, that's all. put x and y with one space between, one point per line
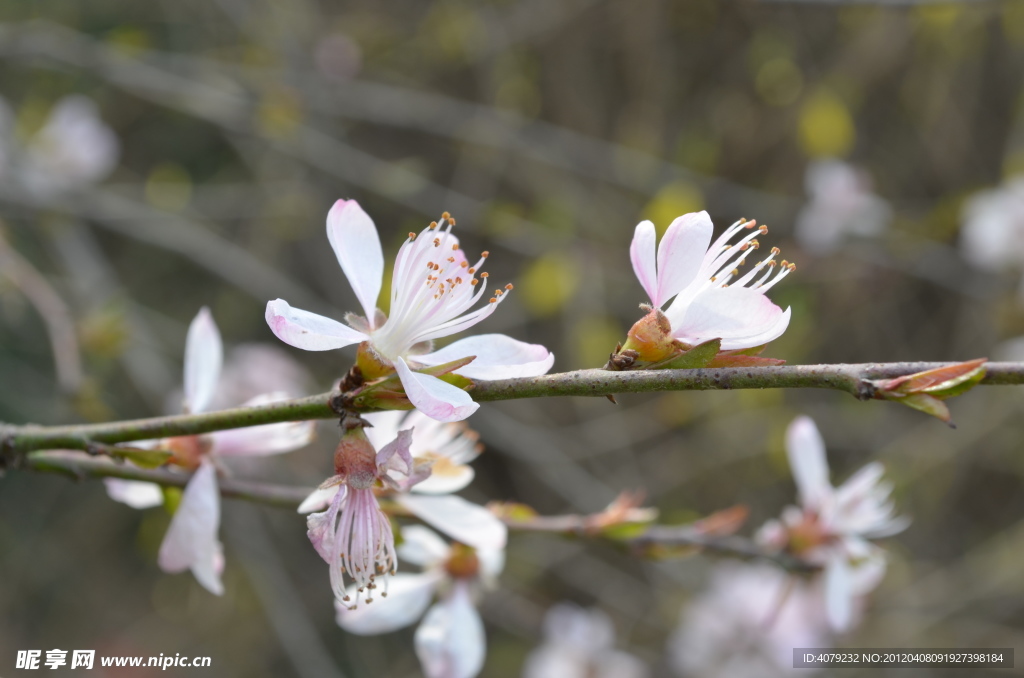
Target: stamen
485 254
412 236
508 286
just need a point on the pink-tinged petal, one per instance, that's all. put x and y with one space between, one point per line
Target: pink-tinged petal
319 499
320 526
451 642
261 441
309 331
839 593
681 252
204 354
357 246
733 314
395 455
498 356
642 254
463 521
435 398
135 493
807 461
191 540
407 600
384 426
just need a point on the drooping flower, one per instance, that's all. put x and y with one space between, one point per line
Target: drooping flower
433 289
450 642
746 624
73 148
841 204
833 526
713 298
580 643
191 541
442 450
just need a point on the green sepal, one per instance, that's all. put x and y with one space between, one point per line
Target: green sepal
172 498
927 404
699 356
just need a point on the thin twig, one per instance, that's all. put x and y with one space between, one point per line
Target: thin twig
15 441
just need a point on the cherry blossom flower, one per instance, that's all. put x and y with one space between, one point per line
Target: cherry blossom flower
580 643
431 448
73 148
993 228
841 204
191 540
433 289
450 641
746 624
712 299
833 525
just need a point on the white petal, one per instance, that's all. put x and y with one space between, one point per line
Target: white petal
641 253
204 353
320 526
807 461
431 396
318 500
385 426
191 540
681 252
451 642
309 331
445 478
357 246
464 521
497 357
261 441
135 493
422 546
408 596
839 593
733 314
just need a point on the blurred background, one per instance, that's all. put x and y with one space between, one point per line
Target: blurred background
159 157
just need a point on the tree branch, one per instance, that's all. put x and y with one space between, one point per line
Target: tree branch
16 441
80 466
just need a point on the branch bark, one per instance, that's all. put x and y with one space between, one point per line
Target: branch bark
16 441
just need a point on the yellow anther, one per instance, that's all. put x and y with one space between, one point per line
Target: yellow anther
484 274
776 251
485 254
493 300
412 236
508 286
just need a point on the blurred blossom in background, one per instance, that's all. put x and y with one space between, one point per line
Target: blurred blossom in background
156 158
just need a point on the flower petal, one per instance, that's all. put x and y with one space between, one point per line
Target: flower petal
357 246
135 493
451 642
309 331
839 593
191 540
395 455
204 353
431 396
320 526
681 252
422 546
408 596
261 441
807 461
641 253
498 356
445 478
319 499
736 315
464 521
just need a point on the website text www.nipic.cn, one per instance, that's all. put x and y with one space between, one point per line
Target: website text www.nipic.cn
86 659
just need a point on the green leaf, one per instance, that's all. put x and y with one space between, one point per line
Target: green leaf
699 356
143 458
927 404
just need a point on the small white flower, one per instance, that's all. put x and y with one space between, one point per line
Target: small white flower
833 525
450 642
993 228
746 625
191 540
433 289
841 204
74 148
713 298
580 643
